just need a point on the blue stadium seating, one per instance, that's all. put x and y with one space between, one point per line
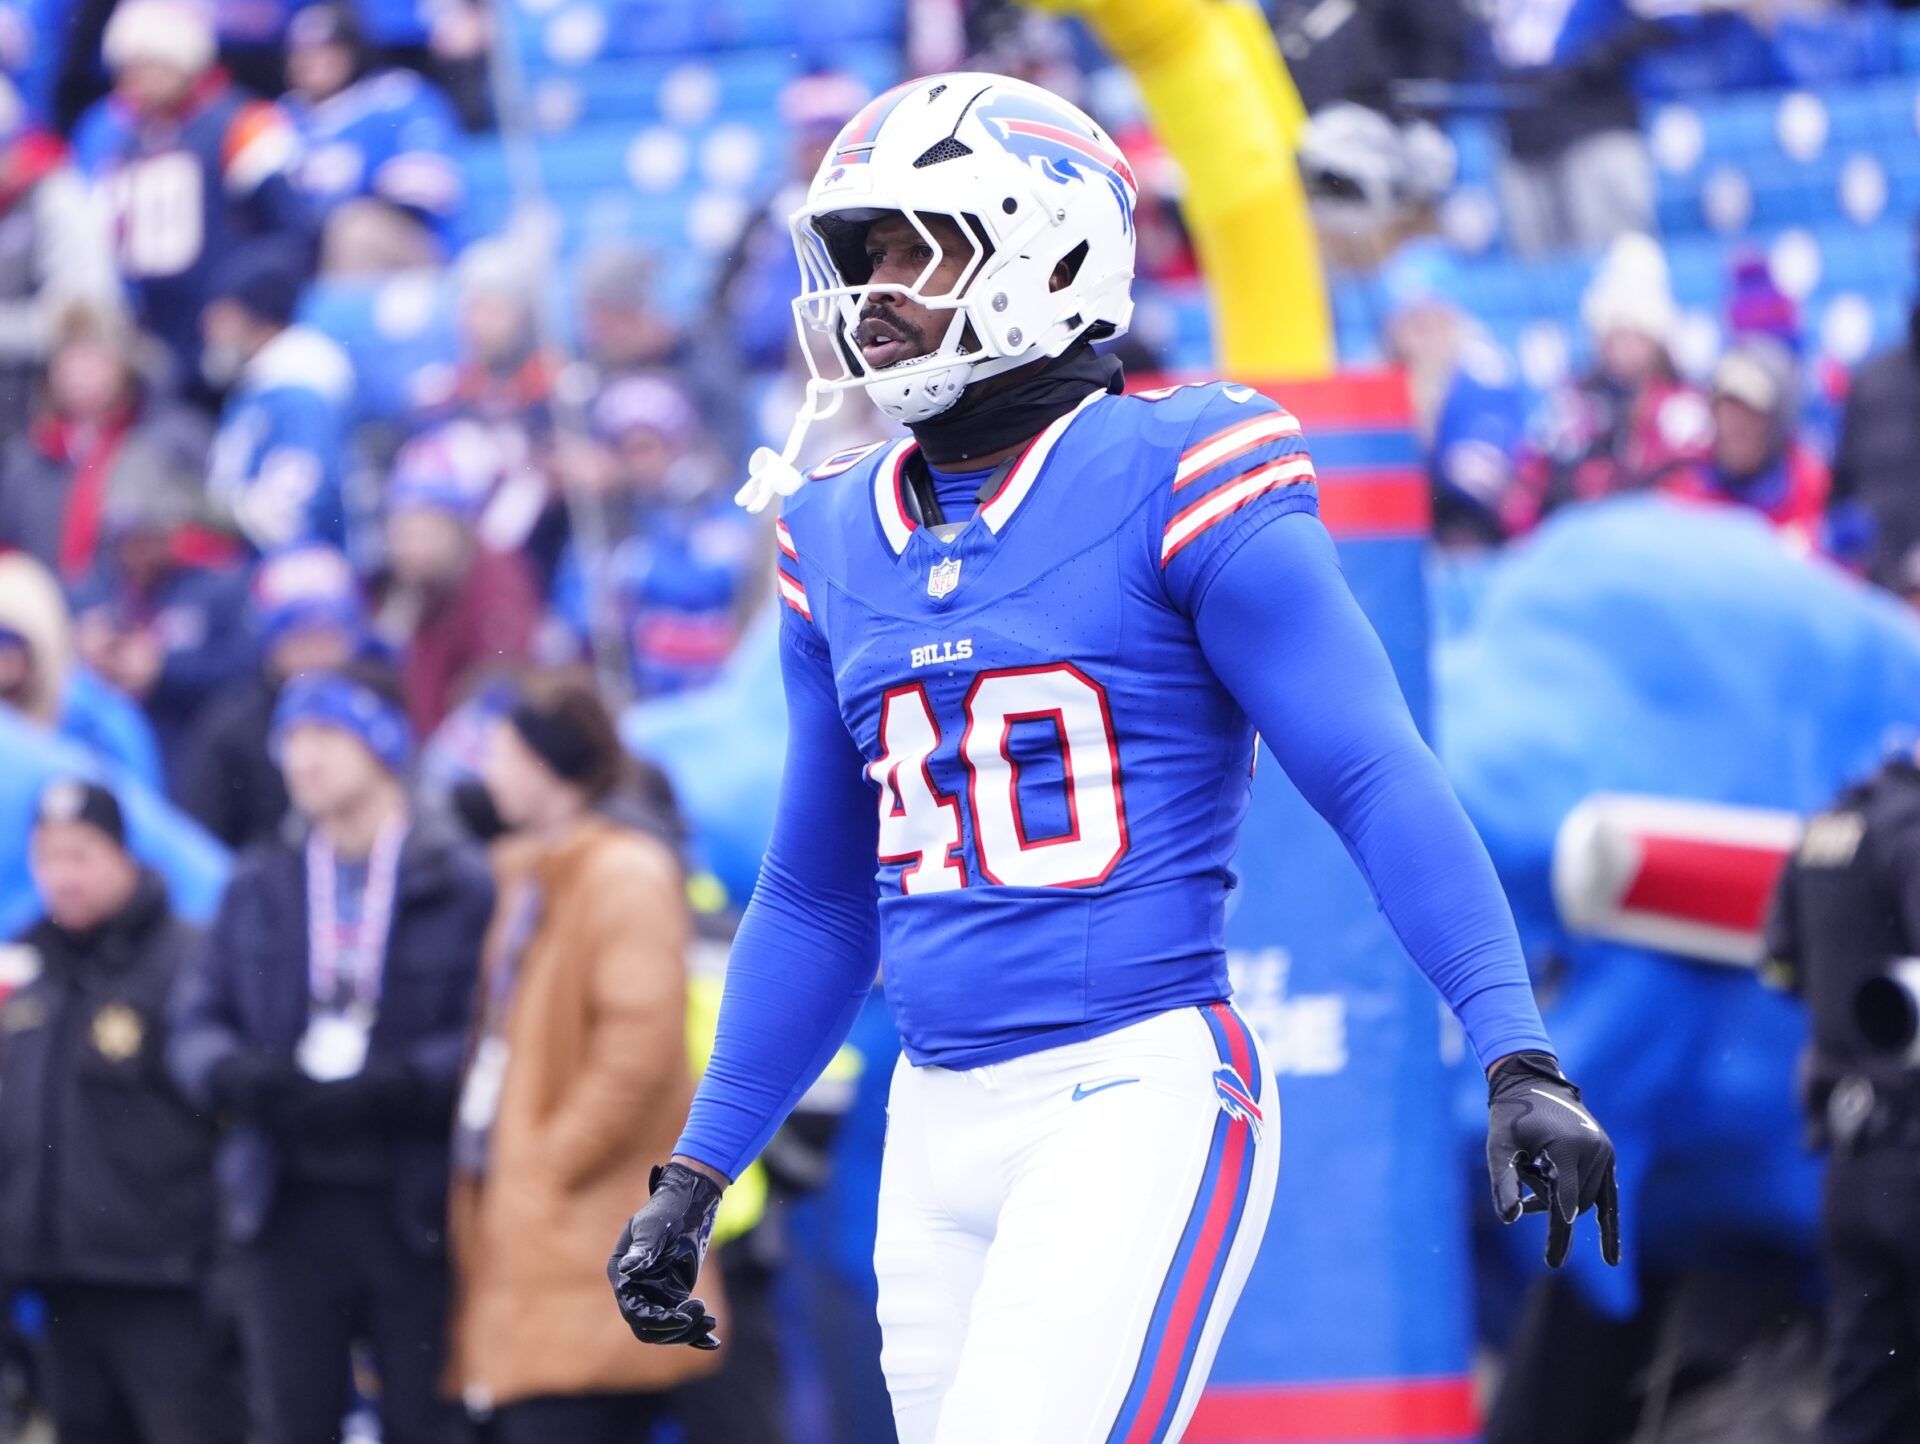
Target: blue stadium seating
658 124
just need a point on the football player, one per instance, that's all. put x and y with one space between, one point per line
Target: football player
1026 655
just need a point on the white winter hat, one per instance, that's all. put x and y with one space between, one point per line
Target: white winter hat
1631 291
169 32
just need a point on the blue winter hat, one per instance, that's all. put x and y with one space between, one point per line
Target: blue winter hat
265 277
333 699
441 471
306 587
1421 273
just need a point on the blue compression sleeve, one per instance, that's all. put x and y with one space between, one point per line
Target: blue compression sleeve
1283 632
804 959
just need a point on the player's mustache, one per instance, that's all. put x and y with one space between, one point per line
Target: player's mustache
894 325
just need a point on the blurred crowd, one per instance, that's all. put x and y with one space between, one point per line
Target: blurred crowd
1745 404
190 464
189 475
360 631
229 1190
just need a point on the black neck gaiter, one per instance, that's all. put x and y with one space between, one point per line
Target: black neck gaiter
987 419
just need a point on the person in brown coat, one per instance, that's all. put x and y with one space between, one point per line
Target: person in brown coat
577 1081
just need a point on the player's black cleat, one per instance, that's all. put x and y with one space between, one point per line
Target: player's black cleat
658 1258
1541 1136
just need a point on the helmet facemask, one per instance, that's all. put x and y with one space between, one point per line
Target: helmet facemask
836 289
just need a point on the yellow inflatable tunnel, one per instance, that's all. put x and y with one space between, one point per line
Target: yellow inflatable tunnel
1222 102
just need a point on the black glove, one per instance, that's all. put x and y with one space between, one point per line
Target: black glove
373 1100
256 1086
658 1258
1539 1134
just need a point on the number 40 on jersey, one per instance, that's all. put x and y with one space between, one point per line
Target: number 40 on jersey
920 825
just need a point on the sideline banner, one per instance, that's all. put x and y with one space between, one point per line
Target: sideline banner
1355 1324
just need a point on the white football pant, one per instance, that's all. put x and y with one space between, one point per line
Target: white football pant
1063 1237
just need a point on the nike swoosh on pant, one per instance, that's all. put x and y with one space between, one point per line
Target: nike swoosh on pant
1080 1090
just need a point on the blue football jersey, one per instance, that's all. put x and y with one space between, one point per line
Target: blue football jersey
1060 776
278 465
182 195
390 135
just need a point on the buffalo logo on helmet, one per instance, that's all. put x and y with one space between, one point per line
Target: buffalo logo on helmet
1236 1099
1062 145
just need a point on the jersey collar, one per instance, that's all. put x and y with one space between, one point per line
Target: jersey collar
889 479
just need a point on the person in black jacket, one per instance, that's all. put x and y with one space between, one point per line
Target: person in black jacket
307 612
327 1017
1846 912
1874 468
106 1171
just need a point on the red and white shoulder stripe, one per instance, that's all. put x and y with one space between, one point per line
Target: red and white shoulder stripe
791 592
786 568
1229 469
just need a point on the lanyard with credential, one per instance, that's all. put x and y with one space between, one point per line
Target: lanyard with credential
366 960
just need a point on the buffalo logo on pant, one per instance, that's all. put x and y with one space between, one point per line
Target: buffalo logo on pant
1236 1099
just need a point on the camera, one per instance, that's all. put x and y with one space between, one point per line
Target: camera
1886 1010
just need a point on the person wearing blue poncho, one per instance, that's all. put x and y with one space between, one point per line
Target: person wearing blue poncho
1640 646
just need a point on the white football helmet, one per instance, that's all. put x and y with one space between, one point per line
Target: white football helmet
1031 182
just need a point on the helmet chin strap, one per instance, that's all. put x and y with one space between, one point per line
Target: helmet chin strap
772 473
909 398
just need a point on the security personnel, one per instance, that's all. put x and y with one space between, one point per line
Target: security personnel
1847 907
106 1171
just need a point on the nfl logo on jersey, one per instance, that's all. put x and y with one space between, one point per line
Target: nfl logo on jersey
944 577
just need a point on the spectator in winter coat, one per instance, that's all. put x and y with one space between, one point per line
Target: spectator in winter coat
1758 459
753 293
1577 174
163 617
1468 412
504 376
625 330
54 253
1630 420
456 610
99 436
40 681
573 1089
326 1019
675 580
106 1171
307 618
499 397
1878 461
279 459
379 161
176 126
